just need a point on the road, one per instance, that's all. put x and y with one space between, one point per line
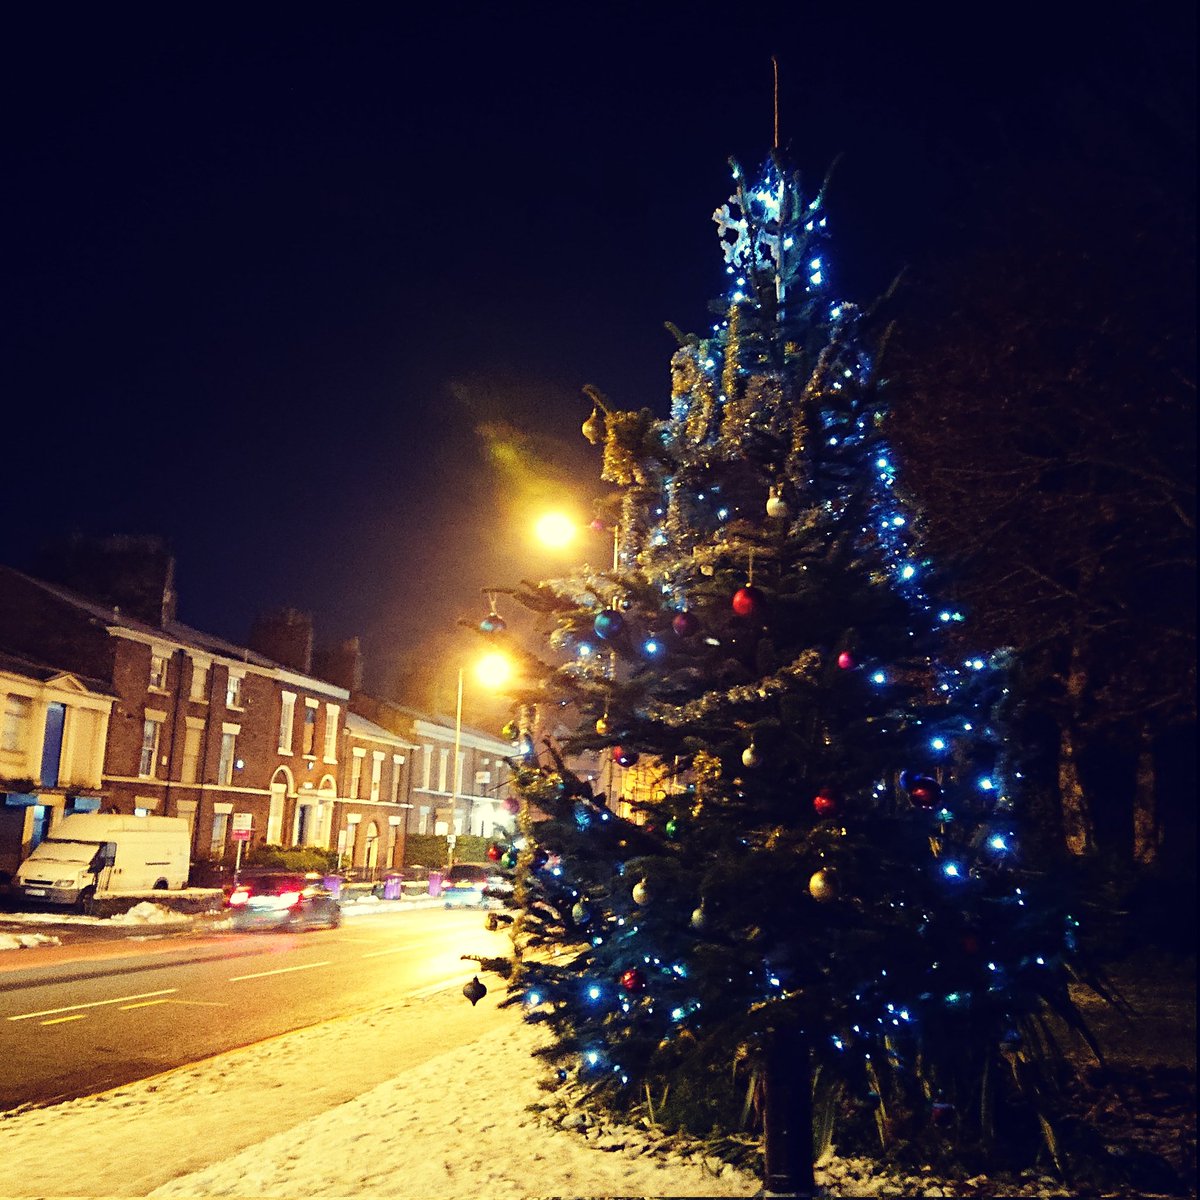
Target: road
90 1016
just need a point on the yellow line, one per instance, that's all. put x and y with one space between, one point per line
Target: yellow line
280 971
49 1012
60 1020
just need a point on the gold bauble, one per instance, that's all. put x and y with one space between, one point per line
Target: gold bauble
823 886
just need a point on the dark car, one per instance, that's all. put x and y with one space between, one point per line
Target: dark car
284 901
472 884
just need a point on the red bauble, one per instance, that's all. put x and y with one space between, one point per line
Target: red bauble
511 804
494 852
747 601
685 624
634 980
846 661
825 803
925 792
623 757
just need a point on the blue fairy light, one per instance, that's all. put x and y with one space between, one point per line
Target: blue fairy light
986 785
651 647
677 1014
998 842
879 677
592 1057
533 999
937 743
907 571
595 992
952 870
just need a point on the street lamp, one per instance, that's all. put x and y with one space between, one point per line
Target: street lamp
557 530
493 671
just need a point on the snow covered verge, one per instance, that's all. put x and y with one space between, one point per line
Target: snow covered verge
459 1124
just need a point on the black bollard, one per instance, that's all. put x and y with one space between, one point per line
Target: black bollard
787 1115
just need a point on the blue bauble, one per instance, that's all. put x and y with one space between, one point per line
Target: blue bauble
608 624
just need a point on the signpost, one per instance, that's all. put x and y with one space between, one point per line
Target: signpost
243 826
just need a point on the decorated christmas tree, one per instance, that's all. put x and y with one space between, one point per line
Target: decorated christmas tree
817 912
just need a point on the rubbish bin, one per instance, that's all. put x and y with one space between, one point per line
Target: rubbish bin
435 883
391 885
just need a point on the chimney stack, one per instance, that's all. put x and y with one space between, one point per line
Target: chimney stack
286 637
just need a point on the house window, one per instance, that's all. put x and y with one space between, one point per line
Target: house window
151 732
158 671
331 722
190 768
443 759
228 750
17 713
220 829
233 691
199 689
310 728
287 715
376 773
394 791
427 774
356 768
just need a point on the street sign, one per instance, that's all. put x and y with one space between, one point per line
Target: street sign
243 825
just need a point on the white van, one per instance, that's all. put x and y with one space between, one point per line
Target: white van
86 853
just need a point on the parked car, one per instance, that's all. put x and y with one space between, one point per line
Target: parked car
472 884
284 901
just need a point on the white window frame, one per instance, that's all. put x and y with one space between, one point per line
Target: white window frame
18 721
160 659
157 719
394 788
287 720
310 710
193 733
376 774
233 689
226 763
331 731
198 687
356 770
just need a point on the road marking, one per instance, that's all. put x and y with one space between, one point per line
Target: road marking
60 1020
143 1004
49 1012
393 950
279 971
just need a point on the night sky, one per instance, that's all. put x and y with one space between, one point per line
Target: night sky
267 275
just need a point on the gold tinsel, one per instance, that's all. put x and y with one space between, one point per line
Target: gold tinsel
625 446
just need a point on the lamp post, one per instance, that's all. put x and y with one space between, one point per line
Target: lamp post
492 671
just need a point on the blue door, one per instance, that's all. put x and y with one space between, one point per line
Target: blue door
56 718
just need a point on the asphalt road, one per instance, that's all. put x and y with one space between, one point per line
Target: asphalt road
88 1016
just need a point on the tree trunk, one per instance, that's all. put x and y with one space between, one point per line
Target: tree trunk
1145 812
1079 830
787 1115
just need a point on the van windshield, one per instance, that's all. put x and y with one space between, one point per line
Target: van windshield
62 850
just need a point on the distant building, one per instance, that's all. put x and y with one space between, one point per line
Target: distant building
200 728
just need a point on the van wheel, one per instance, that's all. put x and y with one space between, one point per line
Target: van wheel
86 903
160 885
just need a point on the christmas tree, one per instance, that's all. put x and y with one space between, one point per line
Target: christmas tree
820 898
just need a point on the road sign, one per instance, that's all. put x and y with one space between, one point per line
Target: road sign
243 826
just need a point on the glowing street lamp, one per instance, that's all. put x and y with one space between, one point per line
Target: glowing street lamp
555 530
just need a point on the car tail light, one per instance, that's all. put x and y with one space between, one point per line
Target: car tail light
288 899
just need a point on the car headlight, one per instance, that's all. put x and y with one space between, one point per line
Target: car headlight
64 883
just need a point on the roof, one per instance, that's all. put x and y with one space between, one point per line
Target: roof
18 664
360 727
173 631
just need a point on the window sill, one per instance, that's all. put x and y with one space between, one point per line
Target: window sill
331 762
285 752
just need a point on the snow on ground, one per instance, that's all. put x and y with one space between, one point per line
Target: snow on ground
25 941
457 1125
143 913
